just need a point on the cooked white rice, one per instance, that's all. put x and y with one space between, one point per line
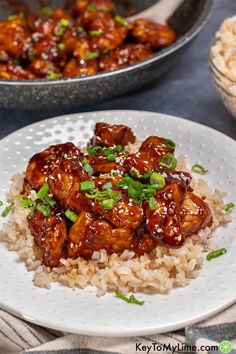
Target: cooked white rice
161 271
223 52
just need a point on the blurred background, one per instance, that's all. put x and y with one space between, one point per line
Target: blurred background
186 90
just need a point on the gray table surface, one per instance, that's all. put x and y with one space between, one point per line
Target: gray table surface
185 91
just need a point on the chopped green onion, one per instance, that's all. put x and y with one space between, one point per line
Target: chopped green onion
91 55
118 148
146 175
228 207
7 210
158 180
131 300
50 201
126 152
1 202
31 55
84 161
107 185
217 253
43 191
52 76
71 215
80 29
22 15
125 181
121 21
107 151
46 11
25 201
102 195
199 169
98 8
15 62
43 209
92 8
88 168
59 31
97 150
169 143
61 46
152 203
11 17
96 33
168 161
91 194
64 22
111 158
114 195
150 192
91 152
134 190
108 204
134 172
87 185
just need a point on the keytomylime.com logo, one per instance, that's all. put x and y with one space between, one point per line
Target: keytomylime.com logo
226 347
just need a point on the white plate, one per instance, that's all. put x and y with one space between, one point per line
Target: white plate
80 311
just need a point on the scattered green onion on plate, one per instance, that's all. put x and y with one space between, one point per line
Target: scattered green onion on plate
199 169
228 207
131 300
216 254
7 210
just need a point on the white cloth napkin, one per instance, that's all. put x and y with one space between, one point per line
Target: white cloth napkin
18 336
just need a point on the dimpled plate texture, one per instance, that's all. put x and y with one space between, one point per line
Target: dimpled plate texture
81 311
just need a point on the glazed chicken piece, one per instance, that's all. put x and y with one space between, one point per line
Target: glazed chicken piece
43 69
58 14
83 68
100 164
97 18
195 214
127 54
145 243
49 234
41 24
82 64
69 39
42 164
90 234
64 183
182 178
125 213
99 5
89 11
155 34
112 34
139 161
163 223
48 50
15 71
156 147
107 135
13 34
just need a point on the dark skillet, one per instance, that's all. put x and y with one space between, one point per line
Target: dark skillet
188 21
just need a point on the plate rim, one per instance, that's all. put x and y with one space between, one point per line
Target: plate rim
128 332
